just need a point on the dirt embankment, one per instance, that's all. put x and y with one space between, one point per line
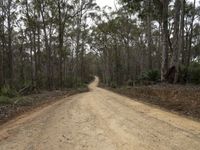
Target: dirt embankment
23 104
182 99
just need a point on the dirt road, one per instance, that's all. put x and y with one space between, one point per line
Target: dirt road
100 120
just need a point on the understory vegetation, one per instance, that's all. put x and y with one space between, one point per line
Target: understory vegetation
12 107
184 100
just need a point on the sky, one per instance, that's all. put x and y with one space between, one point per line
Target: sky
110 3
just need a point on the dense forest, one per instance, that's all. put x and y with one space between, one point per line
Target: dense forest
43 43
154 40
48 44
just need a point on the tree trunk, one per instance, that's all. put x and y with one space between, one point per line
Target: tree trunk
149 35
78 37
182 36
82 54
10 51
2 46
48 50
191 36
35 59
60 34
176 53
39 56
164 64
21 55
31 57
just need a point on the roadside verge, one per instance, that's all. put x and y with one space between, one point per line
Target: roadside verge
20 105
184 100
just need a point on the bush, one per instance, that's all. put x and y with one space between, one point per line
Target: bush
151 75
113 85
194 73
88 79
183 74
5 100
130 82
7 91
190 74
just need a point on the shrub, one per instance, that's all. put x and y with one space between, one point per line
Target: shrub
151 75
88 79
130 82
113 85
7 91
194 73
5 100
183 74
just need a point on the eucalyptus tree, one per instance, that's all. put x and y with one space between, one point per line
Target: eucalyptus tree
8 18
2 42
84 9
117 42
191 15
37 39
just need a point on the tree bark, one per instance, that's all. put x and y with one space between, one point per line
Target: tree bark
2 47
48 50
10 50
164 64
182 26
190 36
60 37
176 53
38 54
149 34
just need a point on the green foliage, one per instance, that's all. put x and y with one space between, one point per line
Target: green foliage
88 79
8 92
4 100
113 85
190 74
130 82
194 73
71 82
151 75
183 74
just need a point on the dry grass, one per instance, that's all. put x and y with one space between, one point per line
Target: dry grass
182 99
16 106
